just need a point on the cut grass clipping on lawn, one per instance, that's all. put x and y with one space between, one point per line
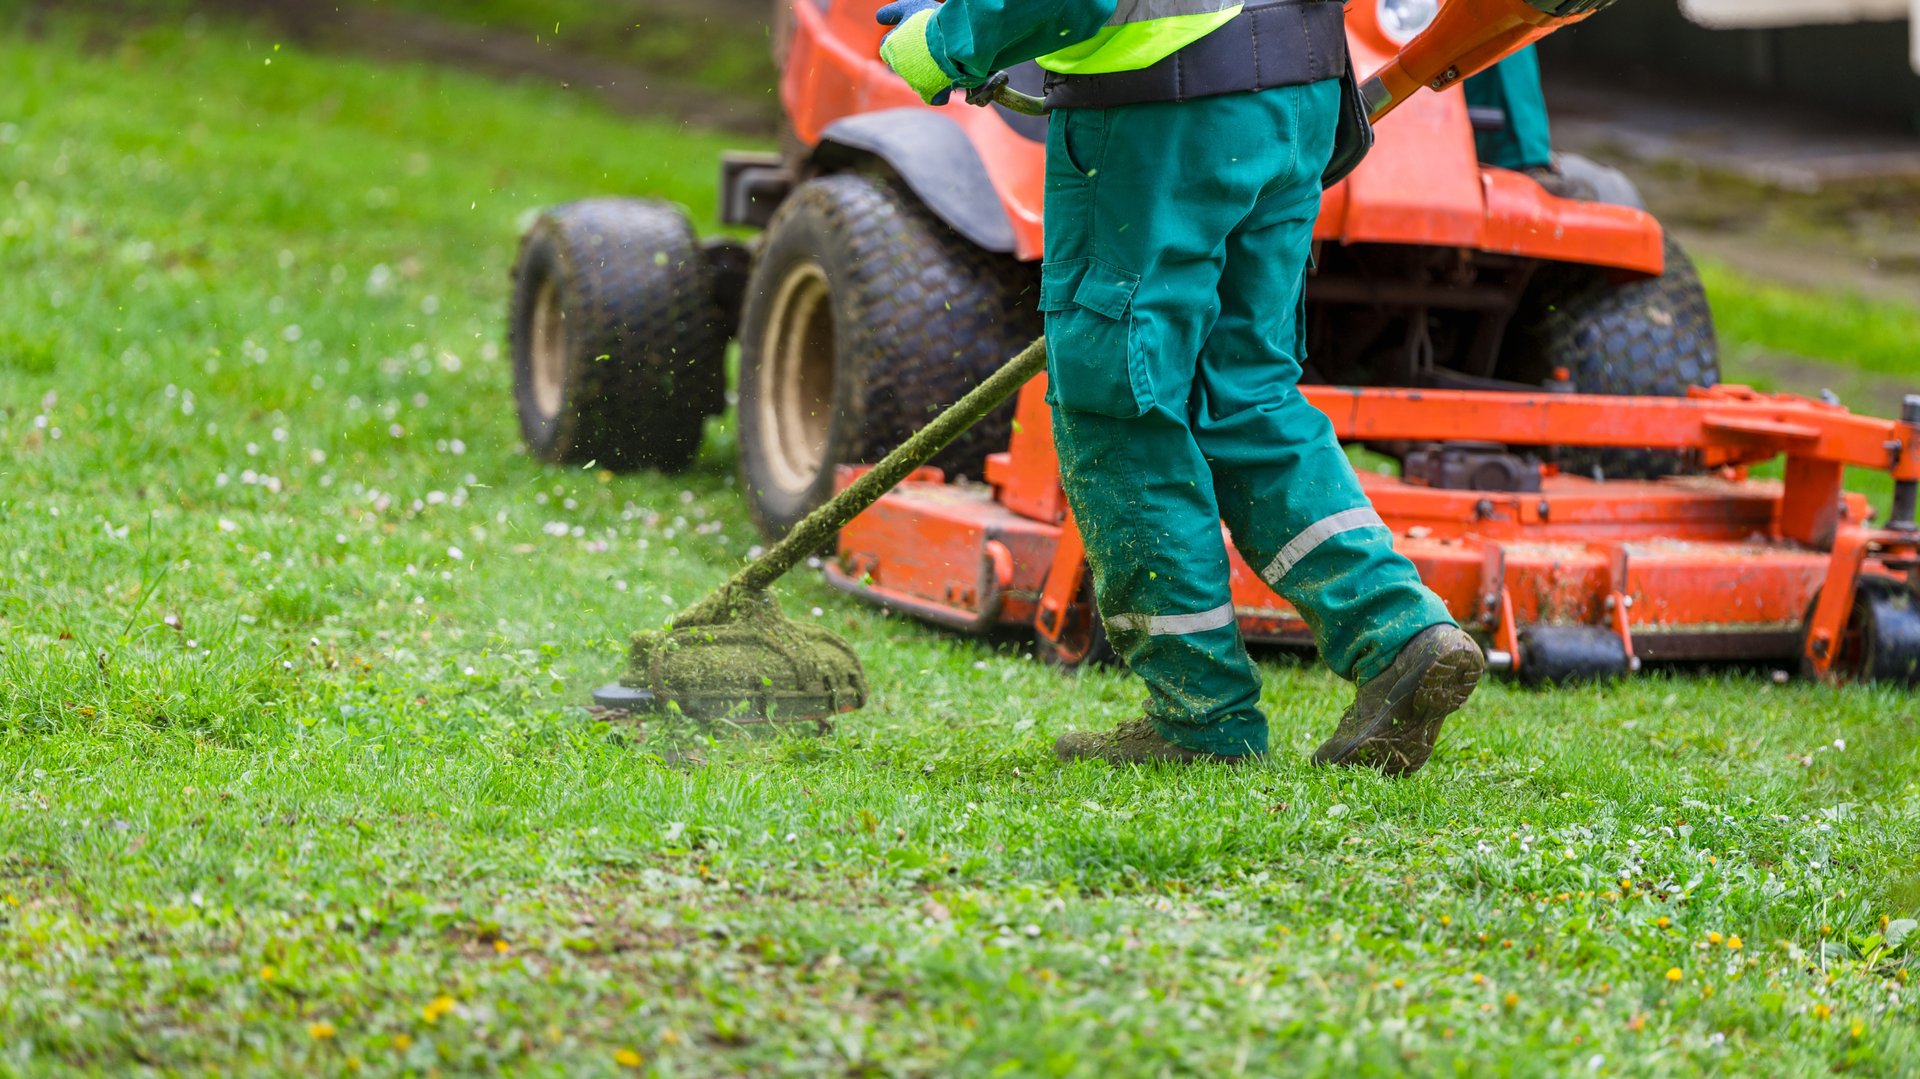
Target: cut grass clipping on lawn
294 639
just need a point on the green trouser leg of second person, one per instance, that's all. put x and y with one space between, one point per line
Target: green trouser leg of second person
1177 239
1513 87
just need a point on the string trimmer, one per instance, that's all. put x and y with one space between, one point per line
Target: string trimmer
735 656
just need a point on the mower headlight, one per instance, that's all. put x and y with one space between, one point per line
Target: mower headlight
1402 20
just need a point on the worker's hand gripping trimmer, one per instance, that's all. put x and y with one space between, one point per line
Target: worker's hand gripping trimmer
1464 39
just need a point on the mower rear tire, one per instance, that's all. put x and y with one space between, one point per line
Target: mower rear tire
1647 338
1882 639
618 336
865 316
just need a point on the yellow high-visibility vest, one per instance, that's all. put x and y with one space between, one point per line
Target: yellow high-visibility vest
1141 34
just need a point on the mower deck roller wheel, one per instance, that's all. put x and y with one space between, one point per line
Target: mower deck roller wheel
864 317
619 336
1647 338
1882 638
1571 655
1085 642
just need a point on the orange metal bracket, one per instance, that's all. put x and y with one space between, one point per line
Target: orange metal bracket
1063 583
1827 629
1506 636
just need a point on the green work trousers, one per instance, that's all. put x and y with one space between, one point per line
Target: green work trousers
1177 239
1513 87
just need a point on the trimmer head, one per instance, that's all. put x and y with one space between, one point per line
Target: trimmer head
733 657
740 660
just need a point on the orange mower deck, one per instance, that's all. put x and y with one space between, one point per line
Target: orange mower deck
1717 567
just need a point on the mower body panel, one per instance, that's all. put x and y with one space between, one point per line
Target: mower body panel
1422 185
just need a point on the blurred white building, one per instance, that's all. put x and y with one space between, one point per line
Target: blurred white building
1735 14
1857 57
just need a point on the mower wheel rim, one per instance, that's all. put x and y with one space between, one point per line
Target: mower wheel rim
549 339
796 391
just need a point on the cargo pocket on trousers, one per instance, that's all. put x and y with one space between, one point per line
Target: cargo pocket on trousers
1093 364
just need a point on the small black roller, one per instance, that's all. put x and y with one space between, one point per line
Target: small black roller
1569 655
1882 639
1887 618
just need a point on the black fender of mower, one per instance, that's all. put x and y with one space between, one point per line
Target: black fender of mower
934 158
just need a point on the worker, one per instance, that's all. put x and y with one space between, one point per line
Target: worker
1184 169
1523 142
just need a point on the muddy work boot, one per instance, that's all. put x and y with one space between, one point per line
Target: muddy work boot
1136 741
1396 719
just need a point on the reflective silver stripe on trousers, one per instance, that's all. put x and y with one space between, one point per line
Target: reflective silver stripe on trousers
1316 534
1147 10
1173 625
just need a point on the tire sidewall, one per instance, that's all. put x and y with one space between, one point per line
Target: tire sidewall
795 238
542 259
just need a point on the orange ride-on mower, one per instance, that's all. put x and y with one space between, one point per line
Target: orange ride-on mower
1541 363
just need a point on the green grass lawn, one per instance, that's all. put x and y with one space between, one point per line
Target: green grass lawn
293 640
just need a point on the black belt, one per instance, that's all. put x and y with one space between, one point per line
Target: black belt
1288 43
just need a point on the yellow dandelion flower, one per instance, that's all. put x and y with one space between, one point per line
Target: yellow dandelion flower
321 1031
626 1058
1479 979
268 974
354 1064
1663 921
1674 975
1735 943
501 947
1399 983
437 1008
1713 938
1858 1029
1821 1011
402 1042
1511 1000
1446 919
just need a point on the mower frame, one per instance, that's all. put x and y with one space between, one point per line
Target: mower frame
1718 567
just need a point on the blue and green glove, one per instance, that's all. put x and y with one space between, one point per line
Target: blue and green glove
905 49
